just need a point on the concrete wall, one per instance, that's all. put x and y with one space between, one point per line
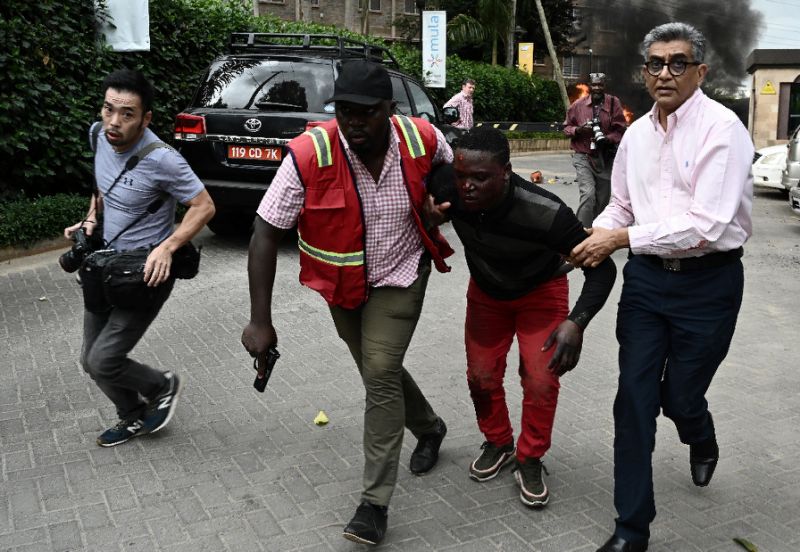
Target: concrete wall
764 108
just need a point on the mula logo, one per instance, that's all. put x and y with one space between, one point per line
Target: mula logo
434 61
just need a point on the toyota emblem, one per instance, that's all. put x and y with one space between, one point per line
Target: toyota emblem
253 125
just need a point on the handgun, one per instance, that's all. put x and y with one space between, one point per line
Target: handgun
260 382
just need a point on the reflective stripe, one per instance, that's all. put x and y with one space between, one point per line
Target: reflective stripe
411 134
355 258
322 145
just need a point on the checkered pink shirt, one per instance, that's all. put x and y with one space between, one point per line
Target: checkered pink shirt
393 245
465 108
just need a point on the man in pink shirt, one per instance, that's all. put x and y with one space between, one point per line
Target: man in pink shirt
463 101
681 202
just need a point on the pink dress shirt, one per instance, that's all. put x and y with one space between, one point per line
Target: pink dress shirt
685 192
393 245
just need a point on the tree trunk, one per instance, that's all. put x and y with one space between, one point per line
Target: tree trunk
552 51
348 13
494 48
365 17
512 26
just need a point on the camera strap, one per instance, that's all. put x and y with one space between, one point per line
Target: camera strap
156 204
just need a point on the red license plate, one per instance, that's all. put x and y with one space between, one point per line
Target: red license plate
254 153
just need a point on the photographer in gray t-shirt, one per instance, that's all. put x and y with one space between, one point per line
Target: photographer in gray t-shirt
145 398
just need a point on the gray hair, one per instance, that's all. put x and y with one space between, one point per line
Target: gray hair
676 31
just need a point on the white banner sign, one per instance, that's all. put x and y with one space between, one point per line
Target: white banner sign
128 27
434 48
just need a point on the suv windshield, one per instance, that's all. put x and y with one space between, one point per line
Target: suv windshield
279 85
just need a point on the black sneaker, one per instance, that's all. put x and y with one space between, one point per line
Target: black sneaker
160 410
368 526
124 431
426 453
491 461
532 490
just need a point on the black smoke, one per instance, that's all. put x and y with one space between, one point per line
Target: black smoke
731 29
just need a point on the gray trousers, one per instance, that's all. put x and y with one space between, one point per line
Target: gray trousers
107 339
594 186
378 334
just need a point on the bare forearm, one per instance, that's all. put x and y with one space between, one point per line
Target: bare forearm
262 261
198 214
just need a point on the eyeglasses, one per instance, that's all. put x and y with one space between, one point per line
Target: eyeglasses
676 67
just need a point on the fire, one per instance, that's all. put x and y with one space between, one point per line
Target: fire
581 90
628 114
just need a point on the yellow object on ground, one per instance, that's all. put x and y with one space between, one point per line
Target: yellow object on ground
321 418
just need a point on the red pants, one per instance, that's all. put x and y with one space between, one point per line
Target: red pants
489 331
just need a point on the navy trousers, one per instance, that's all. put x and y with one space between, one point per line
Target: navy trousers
674 330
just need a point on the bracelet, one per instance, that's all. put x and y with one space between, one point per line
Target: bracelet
92 221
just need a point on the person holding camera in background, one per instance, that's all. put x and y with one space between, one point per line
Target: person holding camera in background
595 125
127 195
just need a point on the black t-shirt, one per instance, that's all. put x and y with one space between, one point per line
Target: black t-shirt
518 245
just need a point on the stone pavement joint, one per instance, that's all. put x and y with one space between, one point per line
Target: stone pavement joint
241 471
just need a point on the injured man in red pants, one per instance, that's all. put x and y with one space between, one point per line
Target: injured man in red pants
515 236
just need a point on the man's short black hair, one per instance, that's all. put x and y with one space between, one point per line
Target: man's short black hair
467 81
487 139
130 80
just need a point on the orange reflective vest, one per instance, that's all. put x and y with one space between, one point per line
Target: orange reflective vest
331 224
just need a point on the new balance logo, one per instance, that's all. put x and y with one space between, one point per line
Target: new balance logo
164 402
134 427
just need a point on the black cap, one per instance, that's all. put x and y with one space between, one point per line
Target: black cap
362 82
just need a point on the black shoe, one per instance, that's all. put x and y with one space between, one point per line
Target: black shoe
368 526
424 457
491 461
703 458
618 544
532 488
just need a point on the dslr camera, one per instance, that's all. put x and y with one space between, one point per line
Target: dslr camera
83 246
598 138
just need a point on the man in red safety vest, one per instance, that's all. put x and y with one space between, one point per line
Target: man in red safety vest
355 186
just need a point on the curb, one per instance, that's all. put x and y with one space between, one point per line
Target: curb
42 246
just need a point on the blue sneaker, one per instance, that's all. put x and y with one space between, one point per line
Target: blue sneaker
124 431
160 410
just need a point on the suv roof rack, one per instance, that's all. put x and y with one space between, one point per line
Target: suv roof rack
344 47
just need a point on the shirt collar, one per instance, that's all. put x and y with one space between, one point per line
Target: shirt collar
679 114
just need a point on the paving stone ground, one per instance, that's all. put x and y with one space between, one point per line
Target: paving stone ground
241 471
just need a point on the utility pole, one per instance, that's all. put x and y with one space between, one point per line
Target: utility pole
552 51
512 25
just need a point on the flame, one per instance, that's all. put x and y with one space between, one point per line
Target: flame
581 90
628 114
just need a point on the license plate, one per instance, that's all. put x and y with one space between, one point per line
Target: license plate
254 153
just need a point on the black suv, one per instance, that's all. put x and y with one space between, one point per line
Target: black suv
268 89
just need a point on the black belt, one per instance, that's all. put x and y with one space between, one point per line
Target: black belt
711 260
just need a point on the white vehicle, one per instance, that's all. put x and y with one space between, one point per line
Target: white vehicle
794 199
770 162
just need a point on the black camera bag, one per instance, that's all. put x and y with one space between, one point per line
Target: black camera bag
91 274
186 261
123 281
